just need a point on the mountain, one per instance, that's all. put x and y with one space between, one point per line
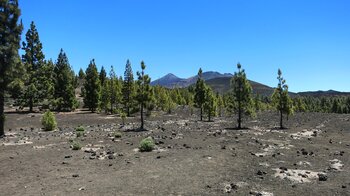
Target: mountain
172 81
328 93
222 85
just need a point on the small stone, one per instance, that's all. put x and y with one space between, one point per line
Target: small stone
75 175
322 177
68 156
283 169
158 157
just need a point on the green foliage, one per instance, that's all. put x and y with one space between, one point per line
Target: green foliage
144 91
199 96
49 121
105 102
33 60
81 74
147 145
103 75
64 84
80 129
117 134
10 34
115 89
122 115
220 104
129 90
280 98
75 145
210 104
240 100
91 87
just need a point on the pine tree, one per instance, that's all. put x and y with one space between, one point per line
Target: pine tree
220 104
210 104
115 90
10 37
103 75
281 99
199 97
64 84
92 87
33 60
128 89
81 74
144 91
105 103
241 97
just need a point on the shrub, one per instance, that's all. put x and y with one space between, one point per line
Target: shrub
123 116
79 133
147 145
76 145
117 134
49 121
80 129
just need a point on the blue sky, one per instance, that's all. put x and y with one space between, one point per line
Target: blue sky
309 40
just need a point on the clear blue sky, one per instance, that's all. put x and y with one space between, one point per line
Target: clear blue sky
309 40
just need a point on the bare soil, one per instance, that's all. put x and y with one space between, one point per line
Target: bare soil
311 157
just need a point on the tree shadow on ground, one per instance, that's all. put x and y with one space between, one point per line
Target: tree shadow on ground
136 130
278 128
22 112
237 129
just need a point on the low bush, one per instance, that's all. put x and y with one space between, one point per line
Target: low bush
49 121
147 145
76 145
117 134
80 129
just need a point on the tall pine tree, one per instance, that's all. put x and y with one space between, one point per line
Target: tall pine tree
115 90
10 37
33 60
64 84
128 89
199 96
241 96
210 104
92 87
144 91
281 99
103 75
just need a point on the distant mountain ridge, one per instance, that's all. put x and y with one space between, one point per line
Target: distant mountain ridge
221 83
172 81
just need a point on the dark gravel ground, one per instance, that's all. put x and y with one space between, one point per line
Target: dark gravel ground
311 157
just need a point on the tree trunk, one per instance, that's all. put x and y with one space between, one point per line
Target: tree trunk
209 117
281 120
141 116
201 113
2 114
239 115
31 104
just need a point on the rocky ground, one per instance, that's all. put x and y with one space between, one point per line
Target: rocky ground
191 157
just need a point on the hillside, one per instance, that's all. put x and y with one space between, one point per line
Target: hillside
222 85
172 81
